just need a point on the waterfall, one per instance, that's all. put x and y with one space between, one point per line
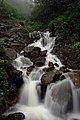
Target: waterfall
76 98
58 96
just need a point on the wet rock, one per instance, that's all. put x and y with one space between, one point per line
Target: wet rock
62 97
29 69
64 69
43 90
62 77
43 53
40 61
10 53
34 35
76 78
34 55
29 49
51 76
56 65
51 66
56 77
47 77
32 52
16 116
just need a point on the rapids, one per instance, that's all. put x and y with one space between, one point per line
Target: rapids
56 99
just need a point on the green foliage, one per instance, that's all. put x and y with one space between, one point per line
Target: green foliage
68 23
5 87
47 10
31 26
74 53
8 9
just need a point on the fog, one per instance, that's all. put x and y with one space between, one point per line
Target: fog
23 6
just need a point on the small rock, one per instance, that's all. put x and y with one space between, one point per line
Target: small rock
64 69
43 53
28 49
16 116
51 66
29 69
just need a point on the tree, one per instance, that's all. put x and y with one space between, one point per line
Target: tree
46 10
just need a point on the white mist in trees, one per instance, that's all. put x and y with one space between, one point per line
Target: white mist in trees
23 6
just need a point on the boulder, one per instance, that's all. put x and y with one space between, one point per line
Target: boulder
34 35
60 97
32 52
34 55
40 61
29 49
16 116
47 77
10 53
51 76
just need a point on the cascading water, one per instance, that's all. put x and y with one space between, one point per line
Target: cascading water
57 96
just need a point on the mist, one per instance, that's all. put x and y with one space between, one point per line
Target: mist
23 6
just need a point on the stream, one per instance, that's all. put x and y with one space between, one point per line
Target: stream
56 100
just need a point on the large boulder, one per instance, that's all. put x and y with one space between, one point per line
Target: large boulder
50 76
59 97
32 52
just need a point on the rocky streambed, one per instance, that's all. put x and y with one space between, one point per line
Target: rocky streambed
38 57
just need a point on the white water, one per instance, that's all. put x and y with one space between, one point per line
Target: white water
29 102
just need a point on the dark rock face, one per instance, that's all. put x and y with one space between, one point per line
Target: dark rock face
15 75
35 54
16 116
